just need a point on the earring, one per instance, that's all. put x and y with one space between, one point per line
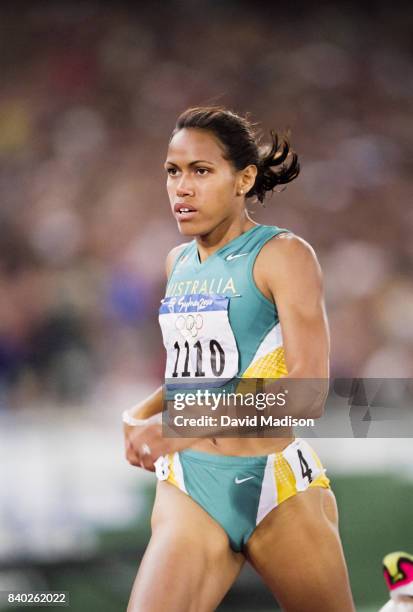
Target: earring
241 192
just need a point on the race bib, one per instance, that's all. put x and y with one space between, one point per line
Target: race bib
198 339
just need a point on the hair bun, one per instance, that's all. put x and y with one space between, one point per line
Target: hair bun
278 166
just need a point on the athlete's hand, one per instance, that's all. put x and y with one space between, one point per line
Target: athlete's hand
145 443
131 455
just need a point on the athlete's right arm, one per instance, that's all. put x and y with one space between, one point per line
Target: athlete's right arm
153 404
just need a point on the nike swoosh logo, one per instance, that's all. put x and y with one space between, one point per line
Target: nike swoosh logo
235 256
238 481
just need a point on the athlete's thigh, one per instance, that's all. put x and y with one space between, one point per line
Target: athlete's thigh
297 551
188 565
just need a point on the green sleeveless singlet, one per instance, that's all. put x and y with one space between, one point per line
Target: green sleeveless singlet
219 299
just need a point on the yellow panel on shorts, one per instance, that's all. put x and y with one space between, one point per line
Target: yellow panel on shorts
284 478
271 365
321 480
171 476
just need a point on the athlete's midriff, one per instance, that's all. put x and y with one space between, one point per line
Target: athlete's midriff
245 446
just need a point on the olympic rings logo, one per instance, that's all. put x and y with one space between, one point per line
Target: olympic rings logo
189 325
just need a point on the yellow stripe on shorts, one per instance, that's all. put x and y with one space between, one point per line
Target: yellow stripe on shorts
171 477
284 478
322 480
286 481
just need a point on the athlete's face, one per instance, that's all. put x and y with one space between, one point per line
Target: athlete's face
201 180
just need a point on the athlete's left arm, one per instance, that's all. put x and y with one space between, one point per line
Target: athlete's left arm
287 269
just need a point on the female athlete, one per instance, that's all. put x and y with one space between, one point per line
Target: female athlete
223 501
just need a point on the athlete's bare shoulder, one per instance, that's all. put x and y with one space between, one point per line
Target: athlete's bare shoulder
172 257
286 258
287 246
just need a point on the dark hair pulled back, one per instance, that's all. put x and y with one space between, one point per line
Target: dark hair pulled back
277 163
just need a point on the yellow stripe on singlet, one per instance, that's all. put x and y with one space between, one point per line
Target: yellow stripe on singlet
271 365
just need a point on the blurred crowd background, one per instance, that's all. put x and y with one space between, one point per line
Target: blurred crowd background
88 99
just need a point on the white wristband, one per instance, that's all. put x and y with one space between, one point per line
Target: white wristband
130 420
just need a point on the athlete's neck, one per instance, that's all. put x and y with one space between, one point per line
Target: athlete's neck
222 234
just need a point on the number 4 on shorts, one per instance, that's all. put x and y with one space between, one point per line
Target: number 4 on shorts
306 471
